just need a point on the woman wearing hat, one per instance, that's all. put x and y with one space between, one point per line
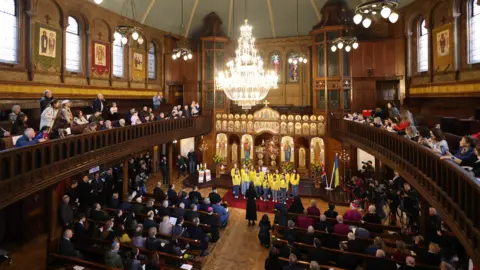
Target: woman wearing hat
67 115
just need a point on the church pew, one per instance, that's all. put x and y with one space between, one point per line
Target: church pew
367 241
306 265
363 257
365 225
57 261
142 217
158 204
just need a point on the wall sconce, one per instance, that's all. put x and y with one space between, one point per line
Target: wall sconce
175 141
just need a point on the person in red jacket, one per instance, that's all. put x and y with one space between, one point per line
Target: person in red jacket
304 221
404 123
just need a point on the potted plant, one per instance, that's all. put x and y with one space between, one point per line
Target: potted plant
317 170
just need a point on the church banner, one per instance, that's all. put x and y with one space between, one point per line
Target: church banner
100 57
137 64
47 47
443 48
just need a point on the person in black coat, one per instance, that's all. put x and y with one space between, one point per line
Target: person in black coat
272 262
214 196
432 256
172 194
179 211
331 213
381 263
65 213
80 230
318 254
211 220
371 216
346 261
264 231
164 210
150 222
179 230
99 104
321 224
251 214
158 193
195 194
45 100
165 170
85 193
72 192
97 214
114 201
197 233
66 247
190 215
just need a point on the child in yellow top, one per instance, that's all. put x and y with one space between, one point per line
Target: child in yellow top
257 182
283 190
245 182
265 186
232 172
275 187
237 181
294 181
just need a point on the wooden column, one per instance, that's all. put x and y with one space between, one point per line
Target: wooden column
52 199
170 162
125 179
155 158
423 215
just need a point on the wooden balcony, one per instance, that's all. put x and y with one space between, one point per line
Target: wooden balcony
26 170
454 192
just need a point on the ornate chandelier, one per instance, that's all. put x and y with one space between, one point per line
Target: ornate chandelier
182 51
366 11
126 33
295 57
245 81
347 42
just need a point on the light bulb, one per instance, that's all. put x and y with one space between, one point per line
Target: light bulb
140 40
117 35
185 58
355 45
357 19
190 56
290 60
385 12
367 22
374 12
295 61
348 48
340 45
124 40
300 59
98 2
304 60
174 56
367 11
393 18
135 35
333 48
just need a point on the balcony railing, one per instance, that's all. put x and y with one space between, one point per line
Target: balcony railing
26 170
454 192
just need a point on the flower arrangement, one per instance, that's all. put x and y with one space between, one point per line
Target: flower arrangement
201 167
247 162
318 168
217 159
287 166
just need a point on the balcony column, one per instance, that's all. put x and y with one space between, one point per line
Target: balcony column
52 217
379 170
155 158
423 215
125 179
170 162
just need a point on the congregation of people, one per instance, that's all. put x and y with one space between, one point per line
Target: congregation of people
57 119
403 123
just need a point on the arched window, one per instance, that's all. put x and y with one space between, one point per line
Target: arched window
8 31
422 49
474 33
276 63
152 62
292 71
118 59
73 46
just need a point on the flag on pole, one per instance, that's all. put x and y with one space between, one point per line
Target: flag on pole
324 174
335 174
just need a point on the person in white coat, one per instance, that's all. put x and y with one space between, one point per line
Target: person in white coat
49 114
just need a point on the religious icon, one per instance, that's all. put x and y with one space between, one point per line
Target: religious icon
225 125
246 147
218 125
100 55
244 126
237 126
306 129
321 129
313 129
301 157
283 128
234 153
443 45
287 148
316 151
230 126
290 128
292 70
298 129
48 42
275 63
250 126
222 145
137 61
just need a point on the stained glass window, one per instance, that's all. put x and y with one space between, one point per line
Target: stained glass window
422 51
321 99
8 31
292 69
209 65
152 62
333 99
346 99
118 56
275 64
332 63
474 37
320 60
73 46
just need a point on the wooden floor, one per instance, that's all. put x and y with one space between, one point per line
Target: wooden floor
238 247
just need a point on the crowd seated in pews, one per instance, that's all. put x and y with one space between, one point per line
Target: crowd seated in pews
57 119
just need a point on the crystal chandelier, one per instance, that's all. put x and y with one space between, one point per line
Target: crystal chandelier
126 33
182 52
347 42
245 81
366 11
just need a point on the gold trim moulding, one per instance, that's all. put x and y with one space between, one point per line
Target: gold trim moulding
456 89
37 90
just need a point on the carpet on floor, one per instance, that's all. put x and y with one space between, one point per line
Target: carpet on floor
262 206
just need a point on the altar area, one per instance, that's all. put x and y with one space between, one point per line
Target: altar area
271 141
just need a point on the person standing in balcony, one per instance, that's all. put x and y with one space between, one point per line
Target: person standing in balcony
157 101
186 112
99 104
16 111
46 99
50 114
392 110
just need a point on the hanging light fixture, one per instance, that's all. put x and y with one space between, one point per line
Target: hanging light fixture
295 57
346 41
182 51
245 81
126 33
98 2
366 11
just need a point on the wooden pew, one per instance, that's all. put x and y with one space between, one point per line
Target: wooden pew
365 225
363 257
306 265
366 241
57 261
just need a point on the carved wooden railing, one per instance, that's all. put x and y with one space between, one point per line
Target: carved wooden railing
454 192
26 170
